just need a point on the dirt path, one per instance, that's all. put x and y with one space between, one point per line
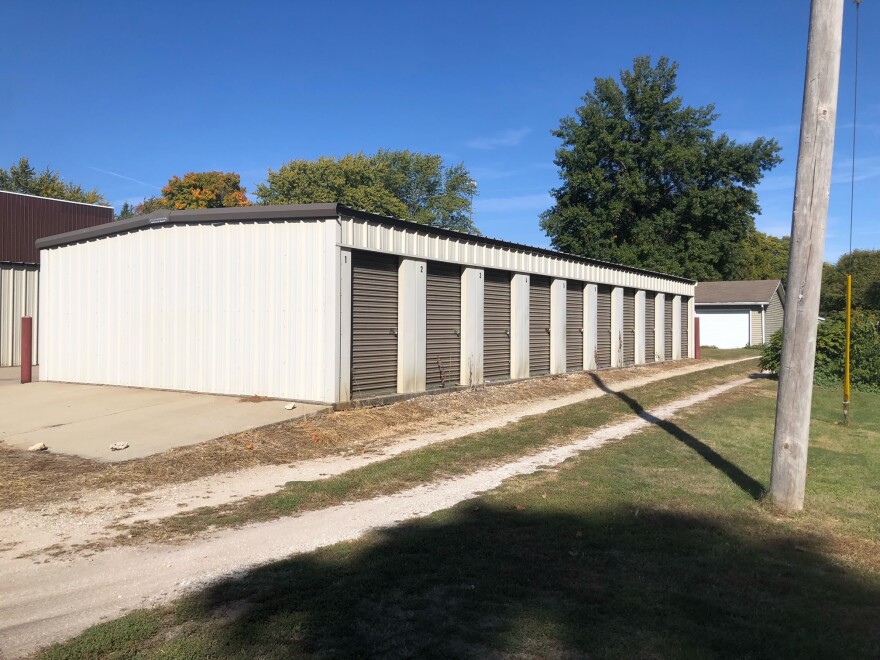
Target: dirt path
52 530
45 602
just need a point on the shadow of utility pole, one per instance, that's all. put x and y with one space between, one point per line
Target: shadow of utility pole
745 482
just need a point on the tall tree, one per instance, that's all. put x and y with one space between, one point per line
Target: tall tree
647 182
21 177
763 257
864 266
400 184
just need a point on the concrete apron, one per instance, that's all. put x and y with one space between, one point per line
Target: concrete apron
84 420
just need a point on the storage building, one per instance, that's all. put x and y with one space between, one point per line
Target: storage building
740 313
24 219
320 302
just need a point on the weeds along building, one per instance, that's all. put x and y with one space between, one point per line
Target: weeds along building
24 219
321 302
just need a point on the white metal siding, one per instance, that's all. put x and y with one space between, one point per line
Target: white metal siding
406 242
18 298
227 309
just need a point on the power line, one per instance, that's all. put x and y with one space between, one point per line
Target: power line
852 189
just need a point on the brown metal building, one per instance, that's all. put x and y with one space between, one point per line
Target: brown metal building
24 219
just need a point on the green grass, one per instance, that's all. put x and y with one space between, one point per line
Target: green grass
655 546
438 461
730 353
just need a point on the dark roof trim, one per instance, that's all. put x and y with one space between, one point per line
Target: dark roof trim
193 217
309 212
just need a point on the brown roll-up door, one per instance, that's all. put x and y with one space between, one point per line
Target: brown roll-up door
650 355
496 325
373 324
443 332
603 326
539 325
684 327
629 327
574 325
667 327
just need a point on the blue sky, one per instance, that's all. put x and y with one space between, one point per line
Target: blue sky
120 96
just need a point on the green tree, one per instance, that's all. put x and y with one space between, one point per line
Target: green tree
21 177
647 182
400 184
127 211
151 204
864 266
763 257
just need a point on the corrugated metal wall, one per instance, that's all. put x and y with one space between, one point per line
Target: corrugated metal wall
24 219
539 325
229 309
667 328
629 327
603 326
684 328
496 325
650 334
574 325
373 324
18 298
443 333
357 233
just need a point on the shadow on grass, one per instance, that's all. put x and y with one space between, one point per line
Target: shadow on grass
484 582
745 482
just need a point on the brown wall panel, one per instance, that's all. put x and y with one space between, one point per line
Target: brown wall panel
24 219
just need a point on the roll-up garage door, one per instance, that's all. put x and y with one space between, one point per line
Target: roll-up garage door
667 327
496 325
574 325
373 324
684 327
539 325
649 326
603 326
443 336
629 327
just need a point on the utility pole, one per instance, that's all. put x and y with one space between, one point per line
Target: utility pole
788 473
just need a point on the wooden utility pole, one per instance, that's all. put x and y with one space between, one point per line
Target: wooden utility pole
788 474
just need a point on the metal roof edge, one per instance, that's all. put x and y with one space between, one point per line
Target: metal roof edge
195 217
320 211
452 233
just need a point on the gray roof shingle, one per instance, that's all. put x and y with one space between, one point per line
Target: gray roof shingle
752 292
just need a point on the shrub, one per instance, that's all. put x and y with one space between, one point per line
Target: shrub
831 348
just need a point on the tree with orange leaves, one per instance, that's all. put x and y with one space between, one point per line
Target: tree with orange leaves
199 190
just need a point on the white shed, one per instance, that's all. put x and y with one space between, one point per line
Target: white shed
324 303
740 313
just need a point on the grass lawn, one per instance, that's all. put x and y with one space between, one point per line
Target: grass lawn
659 545
729 353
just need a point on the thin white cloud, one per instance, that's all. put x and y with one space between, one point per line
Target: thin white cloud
516 204
866 168
510 138
127 178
